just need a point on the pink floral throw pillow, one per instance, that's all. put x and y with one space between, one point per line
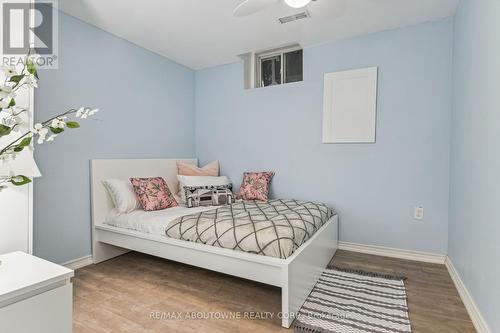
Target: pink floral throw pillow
255 186
153 193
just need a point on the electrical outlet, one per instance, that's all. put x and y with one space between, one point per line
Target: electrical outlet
419 213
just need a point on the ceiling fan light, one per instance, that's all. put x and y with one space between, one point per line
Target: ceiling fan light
297 3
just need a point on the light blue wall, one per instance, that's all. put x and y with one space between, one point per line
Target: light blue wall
374 187
147 105
474 228
149 109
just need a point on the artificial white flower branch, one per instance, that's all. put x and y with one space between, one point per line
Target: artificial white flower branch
15 119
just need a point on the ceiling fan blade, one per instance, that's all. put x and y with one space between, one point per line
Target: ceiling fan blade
249 7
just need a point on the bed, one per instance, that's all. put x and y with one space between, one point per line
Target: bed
115 235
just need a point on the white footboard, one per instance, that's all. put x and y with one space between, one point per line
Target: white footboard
305 268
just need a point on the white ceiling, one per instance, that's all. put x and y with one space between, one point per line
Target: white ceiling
203 33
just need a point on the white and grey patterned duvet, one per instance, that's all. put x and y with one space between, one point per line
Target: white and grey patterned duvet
275 228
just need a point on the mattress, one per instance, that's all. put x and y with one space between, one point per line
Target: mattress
276 228
150 222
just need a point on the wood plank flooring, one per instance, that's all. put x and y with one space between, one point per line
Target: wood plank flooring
140 293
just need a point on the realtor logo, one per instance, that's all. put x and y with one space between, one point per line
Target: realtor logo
29 27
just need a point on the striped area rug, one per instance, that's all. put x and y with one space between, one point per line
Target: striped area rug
353 301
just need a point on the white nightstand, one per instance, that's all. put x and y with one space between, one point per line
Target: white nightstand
36 296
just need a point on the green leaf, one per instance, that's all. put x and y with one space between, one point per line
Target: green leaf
32 68
16 78
25 142
4 130
56 130
20 180
72 124
12 103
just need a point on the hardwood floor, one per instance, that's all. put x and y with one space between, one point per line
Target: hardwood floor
141 293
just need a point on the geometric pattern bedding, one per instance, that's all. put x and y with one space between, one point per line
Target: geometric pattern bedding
275 228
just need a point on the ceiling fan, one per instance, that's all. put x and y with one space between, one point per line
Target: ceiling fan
249 7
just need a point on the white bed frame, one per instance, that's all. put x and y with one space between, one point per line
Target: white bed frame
296 275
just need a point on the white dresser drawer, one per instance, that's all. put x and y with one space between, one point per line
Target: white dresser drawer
36 296
48 312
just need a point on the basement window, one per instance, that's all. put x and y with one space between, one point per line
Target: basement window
279 66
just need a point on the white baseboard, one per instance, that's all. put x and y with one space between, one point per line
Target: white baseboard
79 263
474 313
393 253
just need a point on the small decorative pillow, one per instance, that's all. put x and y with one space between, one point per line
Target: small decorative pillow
196 181
122 194
197 196
255 186
153 193
185 169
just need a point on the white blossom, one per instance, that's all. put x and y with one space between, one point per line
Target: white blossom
10 154
79 112
8 112
21 125
5 91
9 71
17 178
85 112
58 123
51 138
41 132
40 139
12 121
18 120
30 81
4 103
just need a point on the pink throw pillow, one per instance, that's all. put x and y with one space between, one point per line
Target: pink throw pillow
185 169
153 193
211 169
255 186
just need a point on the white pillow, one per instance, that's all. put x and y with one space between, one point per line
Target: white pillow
122 194
199 181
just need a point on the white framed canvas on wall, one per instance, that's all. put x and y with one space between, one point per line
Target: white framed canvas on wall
350 106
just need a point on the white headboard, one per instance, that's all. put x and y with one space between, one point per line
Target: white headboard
124 169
